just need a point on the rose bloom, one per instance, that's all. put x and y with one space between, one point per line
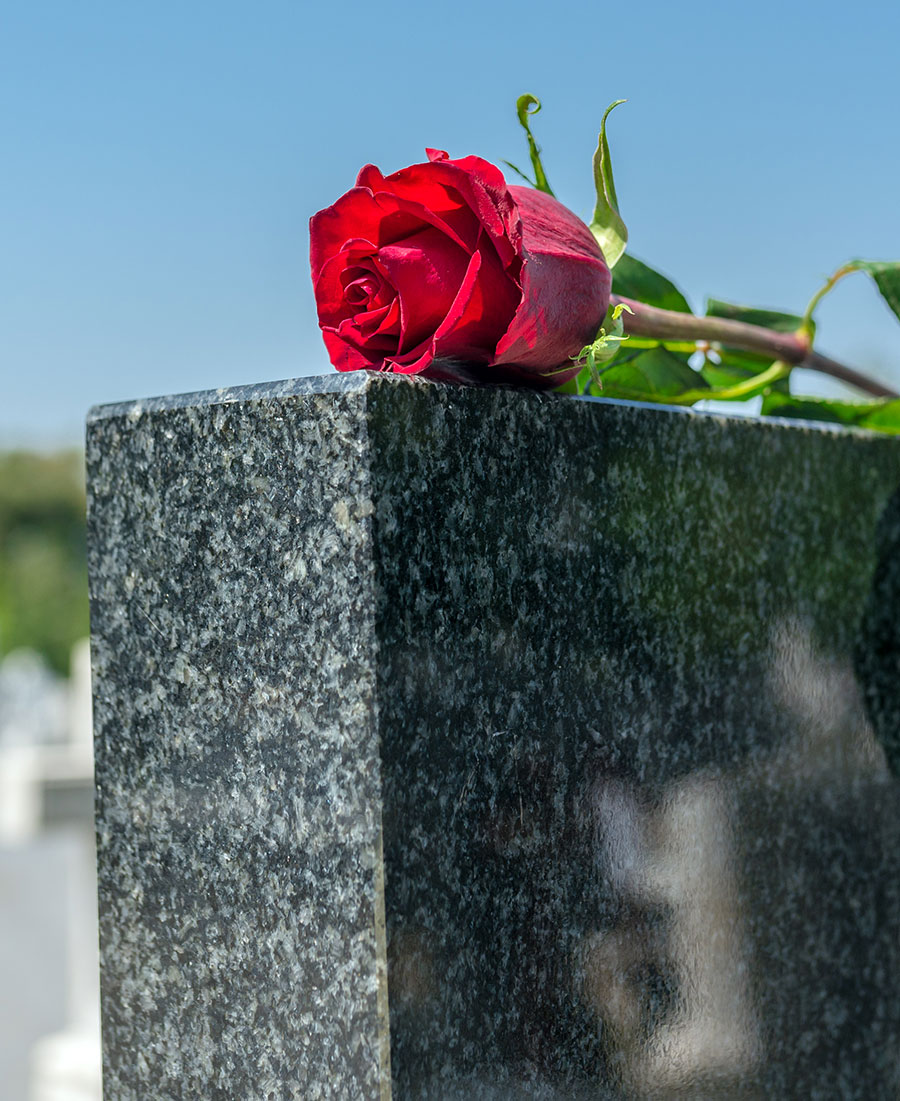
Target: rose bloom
443 264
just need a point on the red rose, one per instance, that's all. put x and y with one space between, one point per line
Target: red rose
444 261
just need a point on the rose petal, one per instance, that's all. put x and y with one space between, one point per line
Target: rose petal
378 329
328 229
550 228
482 311
360 287
427 270
347 357
418 359
366 286
370 176
460 224
390 325
414 362
565 287
459 189
381 322
486 298
362 334
331 299
403 217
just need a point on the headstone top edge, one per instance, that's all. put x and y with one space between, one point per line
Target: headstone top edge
228 395
362 381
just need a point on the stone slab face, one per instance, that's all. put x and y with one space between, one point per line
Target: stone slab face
459 742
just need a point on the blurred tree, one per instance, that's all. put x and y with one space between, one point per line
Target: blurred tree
43 575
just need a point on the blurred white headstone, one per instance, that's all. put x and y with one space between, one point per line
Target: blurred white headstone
49 1014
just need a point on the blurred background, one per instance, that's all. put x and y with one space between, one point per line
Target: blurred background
160 165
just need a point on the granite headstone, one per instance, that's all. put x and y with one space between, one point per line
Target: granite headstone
459 742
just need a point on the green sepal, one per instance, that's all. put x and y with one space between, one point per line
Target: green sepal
606 224
518 171
587 381
530 105
633 278
605 347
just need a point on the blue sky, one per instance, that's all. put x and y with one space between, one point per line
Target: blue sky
161 162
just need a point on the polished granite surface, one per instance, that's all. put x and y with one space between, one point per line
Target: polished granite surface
480 743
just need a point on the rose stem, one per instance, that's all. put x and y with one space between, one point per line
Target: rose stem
670 325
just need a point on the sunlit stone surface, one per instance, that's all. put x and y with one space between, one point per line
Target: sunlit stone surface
485 744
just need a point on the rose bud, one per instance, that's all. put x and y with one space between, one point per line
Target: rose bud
443 263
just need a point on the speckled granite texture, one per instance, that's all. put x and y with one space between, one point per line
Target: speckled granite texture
474 743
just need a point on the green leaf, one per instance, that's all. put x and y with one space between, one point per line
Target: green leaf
725 374
530 105
655 374
635 279
881 415
661 375
725 377
885 418
887 278
739 359
577 385
769 319
607 225
737 369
